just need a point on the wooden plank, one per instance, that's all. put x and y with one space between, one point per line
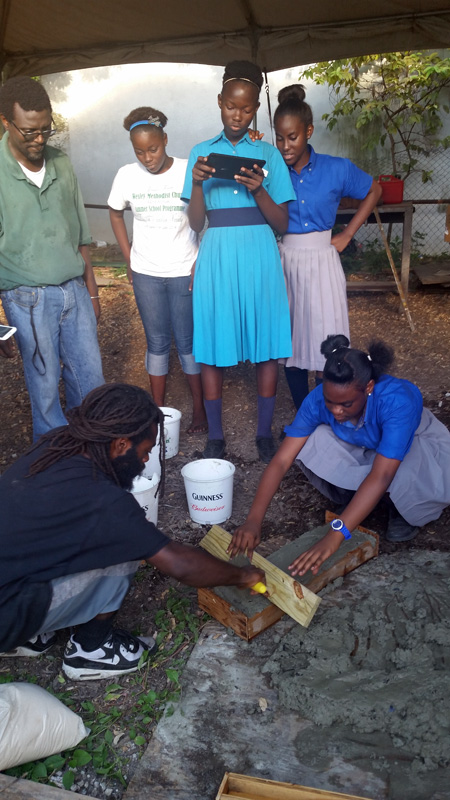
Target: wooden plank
282 590
20 789
351 554
436 272
371 286
245 787
218 608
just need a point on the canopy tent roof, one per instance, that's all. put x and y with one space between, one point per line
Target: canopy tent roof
57 35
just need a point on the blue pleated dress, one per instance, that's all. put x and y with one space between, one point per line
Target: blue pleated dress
241 310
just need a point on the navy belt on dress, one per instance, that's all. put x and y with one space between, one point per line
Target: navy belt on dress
234 217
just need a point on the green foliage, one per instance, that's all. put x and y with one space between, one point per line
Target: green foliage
371 258
129 710
395 99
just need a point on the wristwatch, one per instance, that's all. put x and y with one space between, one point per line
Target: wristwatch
338 525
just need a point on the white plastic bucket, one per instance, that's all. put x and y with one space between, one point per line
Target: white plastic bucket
209 489
153 464
172 419
144 491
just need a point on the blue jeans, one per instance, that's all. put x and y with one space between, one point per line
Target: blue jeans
165 305
55 324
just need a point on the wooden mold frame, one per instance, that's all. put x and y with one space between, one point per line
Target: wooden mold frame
282 590
244 787
249 627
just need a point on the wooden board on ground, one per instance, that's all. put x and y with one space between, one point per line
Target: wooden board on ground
248 619
435 272
244 787
20 789
282 590
371 286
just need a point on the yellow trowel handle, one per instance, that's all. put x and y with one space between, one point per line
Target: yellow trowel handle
259 587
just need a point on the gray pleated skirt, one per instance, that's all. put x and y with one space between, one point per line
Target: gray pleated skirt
316 288
420 489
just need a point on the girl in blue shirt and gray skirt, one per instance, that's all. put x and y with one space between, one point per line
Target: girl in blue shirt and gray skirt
314 276
360 435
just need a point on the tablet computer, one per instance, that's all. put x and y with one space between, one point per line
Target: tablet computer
228 166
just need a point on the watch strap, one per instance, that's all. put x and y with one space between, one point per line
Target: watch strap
342 528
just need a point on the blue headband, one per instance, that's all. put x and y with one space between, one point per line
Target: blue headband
151 121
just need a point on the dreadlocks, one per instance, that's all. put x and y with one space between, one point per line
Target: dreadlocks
107 413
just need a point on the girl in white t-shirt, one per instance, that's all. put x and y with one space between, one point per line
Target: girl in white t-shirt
162 254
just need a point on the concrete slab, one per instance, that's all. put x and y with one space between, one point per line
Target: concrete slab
230 717
219 726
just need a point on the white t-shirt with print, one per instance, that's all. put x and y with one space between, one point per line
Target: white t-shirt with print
164 245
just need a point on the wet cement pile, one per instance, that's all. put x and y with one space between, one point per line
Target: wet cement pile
373 672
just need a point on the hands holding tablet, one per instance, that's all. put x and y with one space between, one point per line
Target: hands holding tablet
251 178
246 171
201 171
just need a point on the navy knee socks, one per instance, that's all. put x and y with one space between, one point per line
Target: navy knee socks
266 406
213 410
297 380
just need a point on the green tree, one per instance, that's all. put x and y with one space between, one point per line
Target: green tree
396 100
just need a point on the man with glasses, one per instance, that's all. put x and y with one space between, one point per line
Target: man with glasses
47 284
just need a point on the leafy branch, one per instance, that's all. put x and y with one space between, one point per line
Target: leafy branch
396 99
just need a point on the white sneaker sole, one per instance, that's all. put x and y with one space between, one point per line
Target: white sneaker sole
90 674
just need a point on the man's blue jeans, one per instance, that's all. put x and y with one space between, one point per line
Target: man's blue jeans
55 324
165 305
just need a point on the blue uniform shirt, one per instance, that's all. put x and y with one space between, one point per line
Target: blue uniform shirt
230 194
391 418
319 188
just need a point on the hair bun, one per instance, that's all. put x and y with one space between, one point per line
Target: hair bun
295 92
333 343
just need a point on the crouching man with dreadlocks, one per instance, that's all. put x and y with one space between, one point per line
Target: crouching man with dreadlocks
72 537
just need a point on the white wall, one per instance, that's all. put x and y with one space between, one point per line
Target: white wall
95 102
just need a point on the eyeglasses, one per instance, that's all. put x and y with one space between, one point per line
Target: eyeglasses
29 136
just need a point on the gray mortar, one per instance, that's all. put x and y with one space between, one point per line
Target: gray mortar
250 605
376 672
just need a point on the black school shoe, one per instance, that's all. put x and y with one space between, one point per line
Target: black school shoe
398 530
215 448
266 448
119 654
34 647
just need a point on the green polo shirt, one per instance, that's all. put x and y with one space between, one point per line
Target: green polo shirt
40 228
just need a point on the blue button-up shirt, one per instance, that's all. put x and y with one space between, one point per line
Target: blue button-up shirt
319 188
391 418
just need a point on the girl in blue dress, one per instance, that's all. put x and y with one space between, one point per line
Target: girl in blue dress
240 303
360 435
315 280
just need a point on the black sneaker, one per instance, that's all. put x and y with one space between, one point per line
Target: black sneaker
215 448
398 529
120 653
266 448
34 647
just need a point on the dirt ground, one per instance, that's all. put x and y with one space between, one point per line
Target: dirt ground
422 357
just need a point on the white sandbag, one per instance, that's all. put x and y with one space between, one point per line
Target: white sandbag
34 724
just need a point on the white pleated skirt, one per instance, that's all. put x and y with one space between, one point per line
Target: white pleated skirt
420 489
316 288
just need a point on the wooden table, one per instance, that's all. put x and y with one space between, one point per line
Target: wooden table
396 212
